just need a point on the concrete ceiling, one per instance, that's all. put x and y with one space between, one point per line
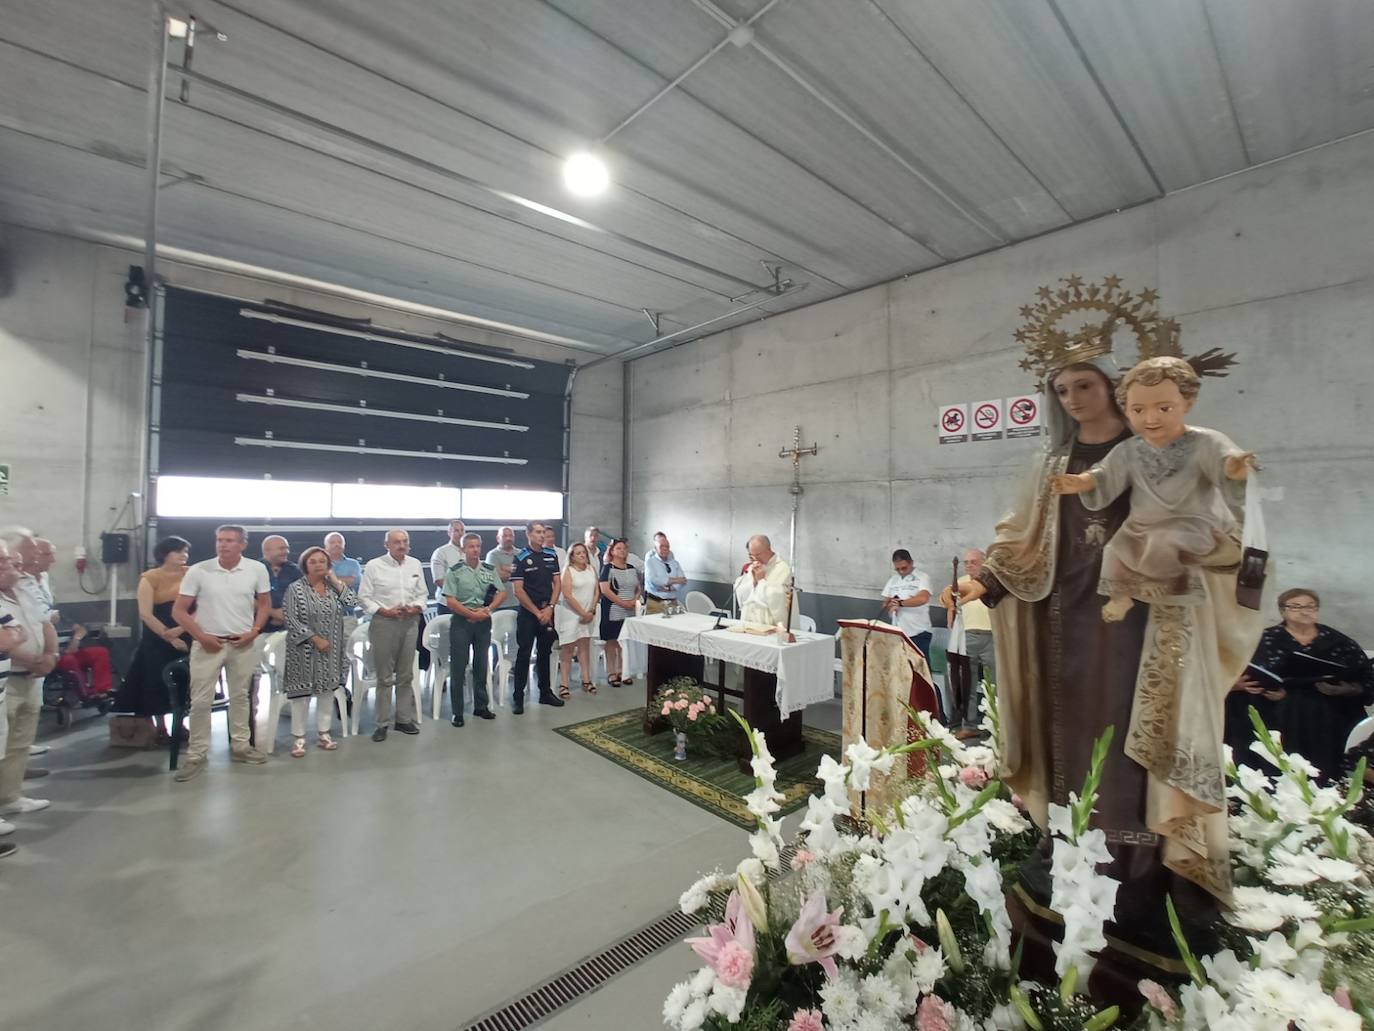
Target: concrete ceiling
390 147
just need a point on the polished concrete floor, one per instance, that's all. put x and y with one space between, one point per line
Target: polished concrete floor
415 884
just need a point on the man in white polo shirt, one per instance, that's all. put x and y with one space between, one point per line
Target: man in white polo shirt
906 596
31 659
446 556
232 597
393 593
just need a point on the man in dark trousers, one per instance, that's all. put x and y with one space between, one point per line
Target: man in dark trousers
536 582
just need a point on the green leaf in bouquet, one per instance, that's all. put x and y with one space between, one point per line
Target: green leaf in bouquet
1023 1007
1103 1019
1184 951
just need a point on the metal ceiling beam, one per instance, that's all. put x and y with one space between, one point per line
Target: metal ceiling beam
1106 95
1225 82
286 209
396 83
859 125
811 173
681 78
623 355
968 104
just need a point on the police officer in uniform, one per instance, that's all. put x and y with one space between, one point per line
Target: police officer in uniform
535 580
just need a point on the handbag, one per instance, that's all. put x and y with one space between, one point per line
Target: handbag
1254 556
132 732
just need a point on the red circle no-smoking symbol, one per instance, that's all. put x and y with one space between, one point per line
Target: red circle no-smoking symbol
986 417
1023 411
952 421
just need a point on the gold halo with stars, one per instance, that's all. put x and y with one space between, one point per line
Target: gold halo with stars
1049 348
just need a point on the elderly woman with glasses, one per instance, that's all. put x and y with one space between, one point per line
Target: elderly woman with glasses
1307 681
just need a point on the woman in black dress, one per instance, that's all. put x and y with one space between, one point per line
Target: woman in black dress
143 691
1317 680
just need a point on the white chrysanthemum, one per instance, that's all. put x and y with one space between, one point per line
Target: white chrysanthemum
880 996
694 1016
1224 970
850 941
728 1002
928 968
676 1004
840 999
703 981
695 898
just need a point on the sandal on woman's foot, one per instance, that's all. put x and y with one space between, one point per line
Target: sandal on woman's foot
298 748
613 681
588 687
627 681
564 691
328 743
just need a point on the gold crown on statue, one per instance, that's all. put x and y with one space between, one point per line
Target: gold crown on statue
1050 348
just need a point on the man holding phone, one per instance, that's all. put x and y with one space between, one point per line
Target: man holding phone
232 596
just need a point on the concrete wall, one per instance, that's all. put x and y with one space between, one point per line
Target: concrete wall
1276 264
72 425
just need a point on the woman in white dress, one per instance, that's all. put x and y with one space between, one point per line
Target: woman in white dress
573 619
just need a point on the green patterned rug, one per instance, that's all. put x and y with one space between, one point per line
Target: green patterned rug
709 781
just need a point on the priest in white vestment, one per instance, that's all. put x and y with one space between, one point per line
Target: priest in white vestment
762 592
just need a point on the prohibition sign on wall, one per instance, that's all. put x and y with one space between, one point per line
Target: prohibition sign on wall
1023 416
953 424
987 420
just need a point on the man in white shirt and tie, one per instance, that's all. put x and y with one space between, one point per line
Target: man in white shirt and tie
393 594
446 556
232 596
764 589
906 596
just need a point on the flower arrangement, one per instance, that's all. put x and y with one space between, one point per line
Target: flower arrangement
901 921
689 709
1301 934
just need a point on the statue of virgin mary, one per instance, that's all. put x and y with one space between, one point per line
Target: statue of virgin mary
1159 677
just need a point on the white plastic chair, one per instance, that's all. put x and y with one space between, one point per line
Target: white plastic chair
699 602
503 640
806 624
1360 733
364 675
437 644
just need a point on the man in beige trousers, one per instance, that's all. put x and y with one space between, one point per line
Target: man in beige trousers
232 598
393 594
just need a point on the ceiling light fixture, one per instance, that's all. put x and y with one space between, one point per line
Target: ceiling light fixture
585 175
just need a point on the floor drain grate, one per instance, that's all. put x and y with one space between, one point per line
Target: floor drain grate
559 992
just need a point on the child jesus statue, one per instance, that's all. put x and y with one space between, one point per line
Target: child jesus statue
1185 493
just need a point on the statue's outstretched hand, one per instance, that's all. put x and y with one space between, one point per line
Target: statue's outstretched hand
1071 483
1238 466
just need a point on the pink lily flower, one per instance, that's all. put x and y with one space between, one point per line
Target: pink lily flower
812 937
728 948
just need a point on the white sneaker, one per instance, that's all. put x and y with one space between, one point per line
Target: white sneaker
6 828
25 805
38 749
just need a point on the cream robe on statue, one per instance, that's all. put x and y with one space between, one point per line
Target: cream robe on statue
765 602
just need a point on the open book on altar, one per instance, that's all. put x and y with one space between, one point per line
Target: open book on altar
884 672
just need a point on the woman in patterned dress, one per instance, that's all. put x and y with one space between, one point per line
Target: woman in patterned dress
315 606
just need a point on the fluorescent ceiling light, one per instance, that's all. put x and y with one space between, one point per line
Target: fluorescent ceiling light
400 377
388 501
176 28
512 504
383 413
360 334
585 175
360 449
214 497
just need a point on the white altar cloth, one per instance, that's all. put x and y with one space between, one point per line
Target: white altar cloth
805 670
